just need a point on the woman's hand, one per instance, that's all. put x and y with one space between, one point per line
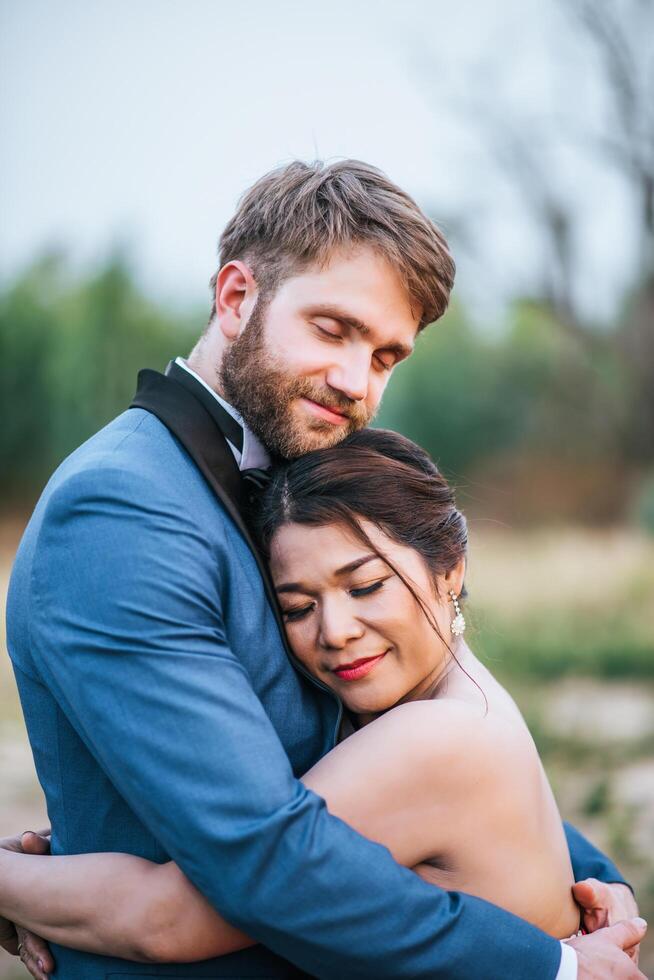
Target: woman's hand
33 951
34 954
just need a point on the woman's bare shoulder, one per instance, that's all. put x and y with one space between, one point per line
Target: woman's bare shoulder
441 720
421 766
453 741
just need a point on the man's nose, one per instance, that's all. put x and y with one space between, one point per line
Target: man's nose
351 377
338 626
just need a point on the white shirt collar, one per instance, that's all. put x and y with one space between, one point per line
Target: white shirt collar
254 452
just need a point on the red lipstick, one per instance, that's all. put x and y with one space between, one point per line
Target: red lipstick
359 668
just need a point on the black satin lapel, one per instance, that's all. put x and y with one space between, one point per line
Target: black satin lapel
189 421
228 425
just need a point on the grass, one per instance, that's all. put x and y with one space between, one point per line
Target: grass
551 644
552 604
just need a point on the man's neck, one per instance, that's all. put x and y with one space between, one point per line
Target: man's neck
206 357
205 371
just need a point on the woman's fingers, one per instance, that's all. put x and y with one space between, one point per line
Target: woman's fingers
35 954
33 843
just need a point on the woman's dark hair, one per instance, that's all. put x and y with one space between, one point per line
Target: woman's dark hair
378 476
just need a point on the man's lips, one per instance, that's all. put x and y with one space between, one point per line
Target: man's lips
359 668
322 412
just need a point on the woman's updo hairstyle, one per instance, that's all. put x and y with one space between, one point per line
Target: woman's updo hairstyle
378 476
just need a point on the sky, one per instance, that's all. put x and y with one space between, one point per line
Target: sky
138 123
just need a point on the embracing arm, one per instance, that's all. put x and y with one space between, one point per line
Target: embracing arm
114 905
122 905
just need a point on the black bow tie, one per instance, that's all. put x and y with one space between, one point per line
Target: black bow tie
230 428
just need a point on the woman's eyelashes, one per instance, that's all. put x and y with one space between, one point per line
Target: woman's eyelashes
357 592
367 589
292 615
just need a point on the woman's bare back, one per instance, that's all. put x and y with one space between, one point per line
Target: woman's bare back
455 788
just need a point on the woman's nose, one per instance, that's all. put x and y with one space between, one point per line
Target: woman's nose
338 626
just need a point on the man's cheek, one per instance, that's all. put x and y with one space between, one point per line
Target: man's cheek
378 387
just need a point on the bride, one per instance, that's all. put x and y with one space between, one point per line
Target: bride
368 555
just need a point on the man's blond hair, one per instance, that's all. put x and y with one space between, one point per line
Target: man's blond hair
296 216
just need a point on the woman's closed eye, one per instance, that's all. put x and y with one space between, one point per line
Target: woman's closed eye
299 612
362 590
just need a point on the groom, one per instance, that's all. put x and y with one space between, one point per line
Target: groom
164 714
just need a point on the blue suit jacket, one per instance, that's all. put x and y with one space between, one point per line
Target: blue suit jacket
166 720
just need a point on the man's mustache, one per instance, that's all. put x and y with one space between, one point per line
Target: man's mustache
336 400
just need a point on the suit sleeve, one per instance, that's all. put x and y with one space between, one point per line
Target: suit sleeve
128 631
588 861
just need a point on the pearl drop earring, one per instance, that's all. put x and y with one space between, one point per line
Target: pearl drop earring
458 624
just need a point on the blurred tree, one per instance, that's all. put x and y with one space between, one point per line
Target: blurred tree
622 37
526 413
603 380
27 343
69 354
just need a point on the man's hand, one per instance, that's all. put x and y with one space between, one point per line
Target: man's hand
604 953
604 905
33 951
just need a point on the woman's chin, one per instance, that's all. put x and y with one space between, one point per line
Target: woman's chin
366 703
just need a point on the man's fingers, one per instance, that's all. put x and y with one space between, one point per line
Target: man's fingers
588 893
628 933
33 843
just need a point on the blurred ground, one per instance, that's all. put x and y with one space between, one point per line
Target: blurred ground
566 619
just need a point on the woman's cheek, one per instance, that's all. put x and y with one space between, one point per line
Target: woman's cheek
299 638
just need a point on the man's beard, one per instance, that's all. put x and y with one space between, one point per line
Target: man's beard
263 391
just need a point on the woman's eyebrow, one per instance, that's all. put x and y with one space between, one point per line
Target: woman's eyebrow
345 570
353 565
292 587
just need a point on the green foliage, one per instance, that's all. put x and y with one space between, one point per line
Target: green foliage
598 800
70 350
549 645
69 354
467 398
644 509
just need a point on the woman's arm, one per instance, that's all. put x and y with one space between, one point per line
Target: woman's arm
397 781
114 904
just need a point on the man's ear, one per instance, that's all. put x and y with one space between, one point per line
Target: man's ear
236 294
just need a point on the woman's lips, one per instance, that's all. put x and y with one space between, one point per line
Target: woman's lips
353 671
322 412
